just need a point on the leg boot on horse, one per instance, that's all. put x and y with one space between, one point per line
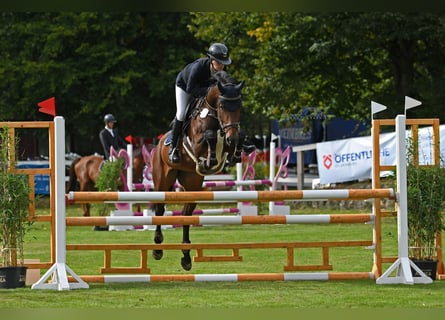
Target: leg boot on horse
174 155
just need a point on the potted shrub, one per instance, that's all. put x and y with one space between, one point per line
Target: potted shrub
14 217
108 180
426 195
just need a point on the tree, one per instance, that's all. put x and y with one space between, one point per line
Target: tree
336 62
94 63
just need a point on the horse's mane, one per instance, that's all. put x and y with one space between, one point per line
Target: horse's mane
223 77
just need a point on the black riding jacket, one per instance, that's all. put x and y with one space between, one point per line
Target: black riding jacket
195 78
108 140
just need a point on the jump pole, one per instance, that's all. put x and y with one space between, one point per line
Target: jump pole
230 277
220 220
209 196
403 264
59 269
213 184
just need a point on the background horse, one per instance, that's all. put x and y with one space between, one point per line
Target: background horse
211 137
85 170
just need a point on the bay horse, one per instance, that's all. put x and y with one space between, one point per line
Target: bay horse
210 138
86 170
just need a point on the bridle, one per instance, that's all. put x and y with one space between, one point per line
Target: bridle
220 106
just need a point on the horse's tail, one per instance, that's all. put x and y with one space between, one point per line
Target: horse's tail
73 177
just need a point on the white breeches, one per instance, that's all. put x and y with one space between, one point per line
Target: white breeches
182 99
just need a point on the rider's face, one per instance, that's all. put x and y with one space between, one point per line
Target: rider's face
217 66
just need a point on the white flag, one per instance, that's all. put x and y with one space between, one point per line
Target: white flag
377 107
411 103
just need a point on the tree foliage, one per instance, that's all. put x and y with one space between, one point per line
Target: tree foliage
94 63
337 62
126 63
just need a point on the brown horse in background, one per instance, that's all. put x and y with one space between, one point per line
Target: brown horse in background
210 139
85 170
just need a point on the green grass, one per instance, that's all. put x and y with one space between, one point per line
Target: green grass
214 295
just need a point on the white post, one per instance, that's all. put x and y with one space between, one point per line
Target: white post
264 148
272 174
59 270
272 166
403 264
239 175
130 167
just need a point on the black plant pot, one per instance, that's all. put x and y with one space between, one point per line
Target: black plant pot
12 277
429 267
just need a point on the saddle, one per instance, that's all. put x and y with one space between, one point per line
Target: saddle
192 105
216 158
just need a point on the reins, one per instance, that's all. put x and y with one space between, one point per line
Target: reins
223 126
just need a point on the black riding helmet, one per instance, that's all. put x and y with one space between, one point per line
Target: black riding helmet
220 53
109 118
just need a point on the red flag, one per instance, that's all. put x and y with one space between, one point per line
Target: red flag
48 106
129 138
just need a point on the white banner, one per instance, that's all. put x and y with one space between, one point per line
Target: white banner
351 159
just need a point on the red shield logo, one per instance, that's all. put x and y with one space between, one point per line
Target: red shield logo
327 161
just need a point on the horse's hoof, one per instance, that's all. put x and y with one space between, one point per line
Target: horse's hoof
159 237
248 148
186 263
157 254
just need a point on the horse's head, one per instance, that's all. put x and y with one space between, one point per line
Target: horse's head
229 110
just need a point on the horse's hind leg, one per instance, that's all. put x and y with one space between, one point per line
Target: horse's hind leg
186 260
86 209
190 182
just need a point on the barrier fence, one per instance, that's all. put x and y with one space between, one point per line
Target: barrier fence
59 276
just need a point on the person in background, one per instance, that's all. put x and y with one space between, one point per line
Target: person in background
109 136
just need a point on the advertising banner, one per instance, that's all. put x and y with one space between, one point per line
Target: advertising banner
351 159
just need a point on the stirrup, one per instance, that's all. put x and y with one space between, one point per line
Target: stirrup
173 155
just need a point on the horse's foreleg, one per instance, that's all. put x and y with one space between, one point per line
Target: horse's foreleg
236 157
159 237
211 139
238 148
186 261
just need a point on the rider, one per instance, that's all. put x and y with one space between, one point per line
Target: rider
194 81
110 137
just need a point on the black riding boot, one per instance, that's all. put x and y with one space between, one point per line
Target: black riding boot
174 155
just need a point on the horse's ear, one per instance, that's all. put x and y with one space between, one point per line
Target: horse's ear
240 85
220 88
